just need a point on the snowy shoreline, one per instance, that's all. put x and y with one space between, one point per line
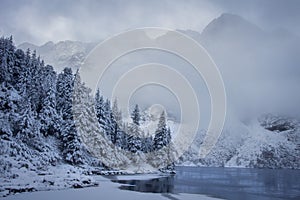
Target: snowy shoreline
60 177
69 182
66 179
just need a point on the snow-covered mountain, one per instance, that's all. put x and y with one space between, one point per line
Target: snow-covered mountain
62 54
269 142
248 57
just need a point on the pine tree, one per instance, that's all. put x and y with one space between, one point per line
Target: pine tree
168 137
50 120
35 87
108 117
147 144
161 138
9 101
122 137
48 80
7 59
72 147
71 143
117 112
135 115
117 123
23 78
28 125
64 88
99 106
134 142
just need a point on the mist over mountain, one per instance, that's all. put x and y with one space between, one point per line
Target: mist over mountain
260 72
259 67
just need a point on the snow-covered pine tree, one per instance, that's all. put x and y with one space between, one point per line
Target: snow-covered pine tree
23 76
20 65
161 137
48 80
147 144
28 125
135 115
134 142
72 145
109 125
50 120
35 87
9 99
123 137
169 136
117 112
7 56
99 106
64 88
117 123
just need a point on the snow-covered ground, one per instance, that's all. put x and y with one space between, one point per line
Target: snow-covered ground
54 178
105 190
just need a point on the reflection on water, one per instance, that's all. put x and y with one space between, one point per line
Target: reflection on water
227 183
157 185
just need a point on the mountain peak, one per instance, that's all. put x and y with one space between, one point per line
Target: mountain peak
50 43
230 16
27 45
61 54
230 24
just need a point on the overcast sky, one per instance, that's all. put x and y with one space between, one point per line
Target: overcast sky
39 21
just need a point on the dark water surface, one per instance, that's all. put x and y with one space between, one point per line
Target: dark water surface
225 183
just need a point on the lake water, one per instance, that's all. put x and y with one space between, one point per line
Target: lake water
224 183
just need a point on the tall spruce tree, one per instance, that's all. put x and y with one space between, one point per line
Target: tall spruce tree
72 147
134 138
109 125
50 120
99 106
135 115
117 123
28 125
161 137
64 88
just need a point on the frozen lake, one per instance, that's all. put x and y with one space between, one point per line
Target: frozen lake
225 183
